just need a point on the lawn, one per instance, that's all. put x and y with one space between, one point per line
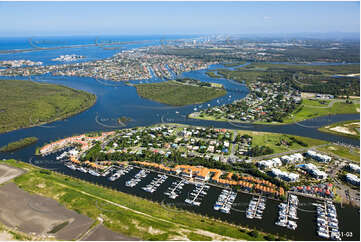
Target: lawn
272 139
352 154
177 94
138 218
25 103
306 111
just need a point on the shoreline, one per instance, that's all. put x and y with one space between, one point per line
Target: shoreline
58 118
192 116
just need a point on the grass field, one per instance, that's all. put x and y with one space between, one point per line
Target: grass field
347 128
176 94
272 139
25 103
351 154
311 109
18 144
124 213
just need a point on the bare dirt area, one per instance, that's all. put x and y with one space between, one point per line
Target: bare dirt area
39 215
307 95
100 233
7 173
343 130
4 236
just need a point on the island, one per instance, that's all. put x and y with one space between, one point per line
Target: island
16 145
180 92
24 103
346 128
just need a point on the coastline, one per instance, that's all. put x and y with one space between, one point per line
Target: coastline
65 116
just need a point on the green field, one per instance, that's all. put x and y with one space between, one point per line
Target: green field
25 103
352 126
272 139
348 153
312 109
18 144
177 94
127 214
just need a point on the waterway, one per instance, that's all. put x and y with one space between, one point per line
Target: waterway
307 225
118 99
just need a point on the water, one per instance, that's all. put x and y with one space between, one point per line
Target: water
306 221
117 99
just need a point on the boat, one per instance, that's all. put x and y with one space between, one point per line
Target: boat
323 235
82 169
71 166
94 173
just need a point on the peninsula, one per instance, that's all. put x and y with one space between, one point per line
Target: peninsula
24 103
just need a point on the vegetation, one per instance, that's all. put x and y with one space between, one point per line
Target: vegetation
124 213
279 143
235 64
58 227
25 103
312 109
342 151
19 144
330 79
213 75
177 94
351 127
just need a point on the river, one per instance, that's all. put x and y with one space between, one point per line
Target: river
117 99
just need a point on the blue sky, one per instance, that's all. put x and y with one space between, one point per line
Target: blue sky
133 18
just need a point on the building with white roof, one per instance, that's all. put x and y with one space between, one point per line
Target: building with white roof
290 159
354 167
268 164
314 171
317 156
353 179
291 177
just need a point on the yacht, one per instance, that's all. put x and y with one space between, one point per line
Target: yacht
71 166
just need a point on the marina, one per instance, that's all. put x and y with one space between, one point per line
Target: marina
137 178
236 216
118 172
256 207
196 196
287 212
154 185
225 201
327 222
175 189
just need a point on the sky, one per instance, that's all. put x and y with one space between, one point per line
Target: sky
146 18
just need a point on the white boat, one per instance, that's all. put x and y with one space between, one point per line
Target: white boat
94 173
71 166
323 235
82 169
